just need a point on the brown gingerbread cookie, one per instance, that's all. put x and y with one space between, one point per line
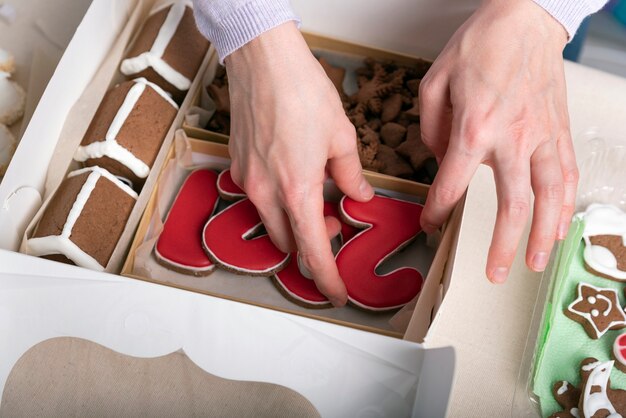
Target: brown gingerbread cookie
367 146
413 149
391 107
567 396
614 245
597 309
372 91
597 398
391 163
414 112
392 134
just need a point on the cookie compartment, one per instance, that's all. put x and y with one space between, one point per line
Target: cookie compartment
601 163
111 107
432 256
378 90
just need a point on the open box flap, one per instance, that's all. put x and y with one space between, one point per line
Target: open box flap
342 371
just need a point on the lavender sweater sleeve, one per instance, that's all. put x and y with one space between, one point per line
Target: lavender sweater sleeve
570 13
230 24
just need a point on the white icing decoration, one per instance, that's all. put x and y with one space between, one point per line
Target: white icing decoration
110 147
589 316
591 299
609 304
562 389
154 57
61 244
603 220
594 402
590 366
574 412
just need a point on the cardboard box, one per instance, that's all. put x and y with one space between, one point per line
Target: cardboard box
341 370
413 320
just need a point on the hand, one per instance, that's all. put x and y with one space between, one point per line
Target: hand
496 95
288 129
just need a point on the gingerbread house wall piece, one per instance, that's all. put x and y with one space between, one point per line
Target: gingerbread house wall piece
168 51
84 219
128 130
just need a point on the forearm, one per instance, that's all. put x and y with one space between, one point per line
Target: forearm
571 13
230 24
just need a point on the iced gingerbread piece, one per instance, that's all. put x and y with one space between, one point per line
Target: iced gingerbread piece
230 239
227 188
619 352
128 130
597 399
597 309
605 241
295 285
179 246
168 51
389 225
567 395
84 219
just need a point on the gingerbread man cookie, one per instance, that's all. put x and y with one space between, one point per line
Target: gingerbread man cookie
179 246
389 225
597 309
567 395
605 241
229 238
299 288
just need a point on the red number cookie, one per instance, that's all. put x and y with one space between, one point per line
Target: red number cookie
228 239
295 285
390 224
179 246
227 188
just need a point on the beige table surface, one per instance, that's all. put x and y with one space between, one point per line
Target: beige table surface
488 324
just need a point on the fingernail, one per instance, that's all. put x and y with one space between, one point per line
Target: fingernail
499 274
562 230
366 190
539 261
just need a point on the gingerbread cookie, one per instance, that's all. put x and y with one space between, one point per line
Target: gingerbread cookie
567 395
597 398
619 352
227 188
597 309
229 240
179 246
168 51
605 241
295 285
389 225
128 129
85 219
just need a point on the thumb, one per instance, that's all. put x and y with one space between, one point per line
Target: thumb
347 172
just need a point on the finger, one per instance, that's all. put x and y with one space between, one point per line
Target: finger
435 114
333 226
455 172
277 225
569 170
305 210
512 176
547 184
345 168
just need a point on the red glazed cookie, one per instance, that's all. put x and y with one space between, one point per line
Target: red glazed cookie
179 246
295 285
227 188
597 309
390 225
228 239
619 352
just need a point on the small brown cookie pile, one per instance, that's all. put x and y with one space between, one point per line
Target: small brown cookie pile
384 110
218 91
